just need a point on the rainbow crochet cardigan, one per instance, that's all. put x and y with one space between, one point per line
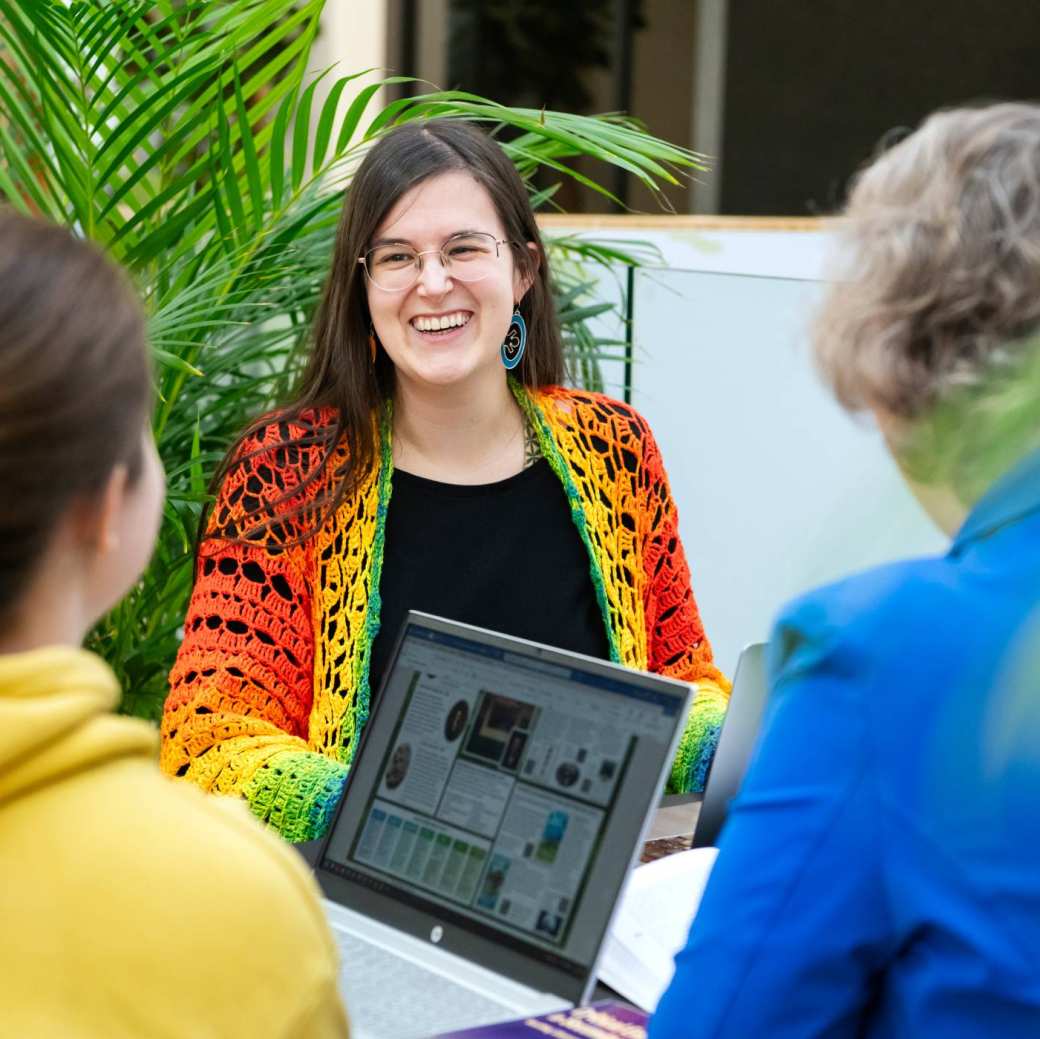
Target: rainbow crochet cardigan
270 690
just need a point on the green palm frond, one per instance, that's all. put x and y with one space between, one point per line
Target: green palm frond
185 137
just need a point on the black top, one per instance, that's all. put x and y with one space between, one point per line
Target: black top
505 556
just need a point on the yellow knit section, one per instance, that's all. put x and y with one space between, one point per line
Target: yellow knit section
345 551
599 451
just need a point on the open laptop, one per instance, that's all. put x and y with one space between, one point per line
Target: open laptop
736 742
495 807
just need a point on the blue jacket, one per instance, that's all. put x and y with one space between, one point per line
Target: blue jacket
880 871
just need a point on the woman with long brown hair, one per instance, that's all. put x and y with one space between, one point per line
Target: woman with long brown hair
431 460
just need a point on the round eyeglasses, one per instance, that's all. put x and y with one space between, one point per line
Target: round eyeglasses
468 257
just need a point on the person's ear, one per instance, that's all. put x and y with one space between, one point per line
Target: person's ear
98 518
523 277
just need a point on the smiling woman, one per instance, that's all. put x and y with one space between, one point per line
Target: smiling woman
429 460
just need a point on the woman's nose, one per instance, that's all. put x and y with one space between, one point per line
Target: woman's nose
435 276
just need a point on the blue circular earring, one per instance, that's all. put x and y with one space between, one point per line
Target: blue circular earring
515 340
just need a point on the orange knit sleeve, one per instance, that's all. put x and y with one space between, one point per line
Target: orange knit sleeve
236 718
676 642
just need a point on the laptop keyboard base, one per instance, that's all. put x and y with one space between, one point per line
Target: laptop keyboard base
391 997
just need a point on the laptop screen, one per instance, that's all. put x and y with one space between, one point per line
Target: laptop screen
736 742
494 788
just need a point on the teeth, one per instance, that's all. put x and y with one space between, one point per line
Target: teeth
438 324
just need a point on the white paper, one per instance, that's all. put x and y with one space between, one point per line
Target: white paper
652 924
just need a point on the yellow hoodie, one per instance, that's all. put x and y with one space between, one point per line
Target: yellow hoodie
132 905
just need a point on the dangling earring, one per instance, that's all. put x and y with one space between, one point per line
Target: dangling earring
372 343
515 340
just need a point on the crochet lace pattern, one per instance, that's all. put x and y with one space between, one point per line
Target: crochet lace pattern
270 690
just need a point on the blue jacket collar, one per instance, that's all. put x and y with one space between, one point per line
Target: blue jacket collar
1015 495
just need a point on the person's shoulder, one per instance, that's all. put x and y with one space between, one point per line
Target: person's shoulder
249 872
859 623
233 902
590 408
606 426
280 463
613 430
284 425
287 442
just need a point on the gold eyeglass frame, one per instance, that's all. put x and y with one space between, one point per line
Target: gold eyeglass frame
445 261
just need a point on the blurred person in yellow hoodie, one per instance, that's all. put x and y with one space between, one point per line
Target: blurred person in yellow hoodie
131 906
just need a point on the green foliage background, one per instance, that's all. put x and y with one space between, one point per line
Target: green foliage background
185 138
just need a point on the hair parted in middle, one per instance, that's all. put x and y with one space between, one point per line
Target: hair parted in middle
340 373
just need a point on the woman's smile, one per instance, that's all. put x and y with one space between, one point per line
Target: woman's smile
446 326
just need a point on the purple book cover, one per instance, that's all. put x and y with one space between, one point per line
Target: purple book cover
598 1021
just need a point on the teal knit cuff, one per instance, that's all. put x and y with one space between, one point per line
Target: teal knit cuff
697 746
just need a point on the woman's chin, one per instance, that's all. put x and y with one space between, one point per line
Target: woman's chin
447 371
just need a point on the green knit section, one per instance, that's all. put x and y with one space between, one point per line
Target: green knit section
698 742
296 792
553 456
